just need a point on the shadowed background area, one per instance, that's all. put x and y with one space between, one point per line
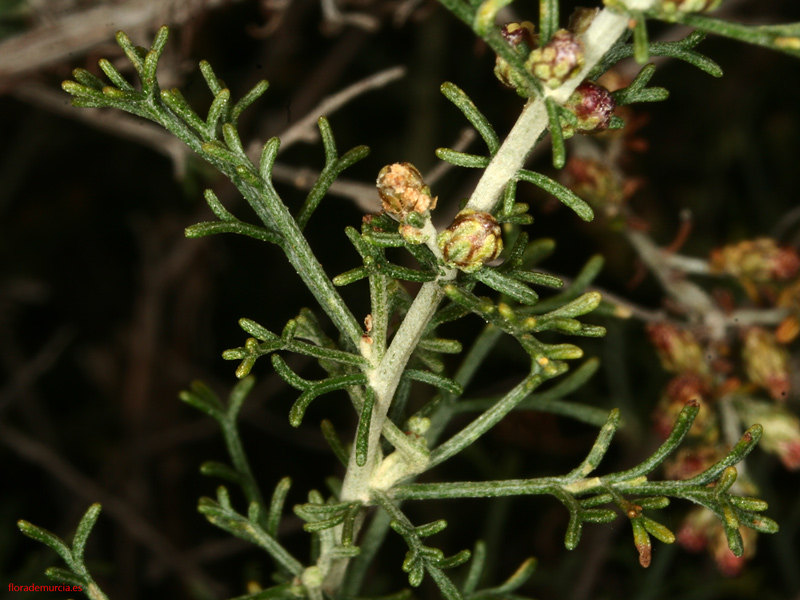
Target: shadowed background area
107 312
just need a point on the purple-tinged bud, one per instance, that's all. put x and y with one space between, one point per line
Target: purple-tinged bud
520 33
403 191
516 34
593 106
558 60
473 239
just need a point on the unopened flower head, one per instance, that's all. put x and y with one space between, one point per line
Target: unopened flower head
473 239
766 362
558 60
678 349
759 261
520 36
403 191
593 106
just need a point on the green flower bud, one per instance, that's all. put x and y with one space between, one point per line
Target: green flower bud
403 191
558 60
473 239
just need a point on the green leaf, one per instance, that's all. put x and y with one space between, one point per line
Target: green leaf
47 538
66 577
462 159
317 389
434 379
600 447
463 102
563 193
238 395
217 112
506 285
783 38
115 76
204 399
245 101
556 134
83 531
641 50
329 432
213 468
88 79
548 20
213 83
276 505
637 90
362 433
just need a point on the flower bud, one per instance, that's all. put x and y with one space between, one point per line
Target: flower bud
593 106
678 349
403 191
516 34
473 239
519 33
558 60
758 261
766 362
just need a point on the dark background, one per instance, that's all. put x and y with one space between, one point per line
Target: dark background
107 312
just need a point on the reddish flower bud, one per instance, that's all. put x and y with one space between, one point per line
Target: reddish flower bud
593 106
